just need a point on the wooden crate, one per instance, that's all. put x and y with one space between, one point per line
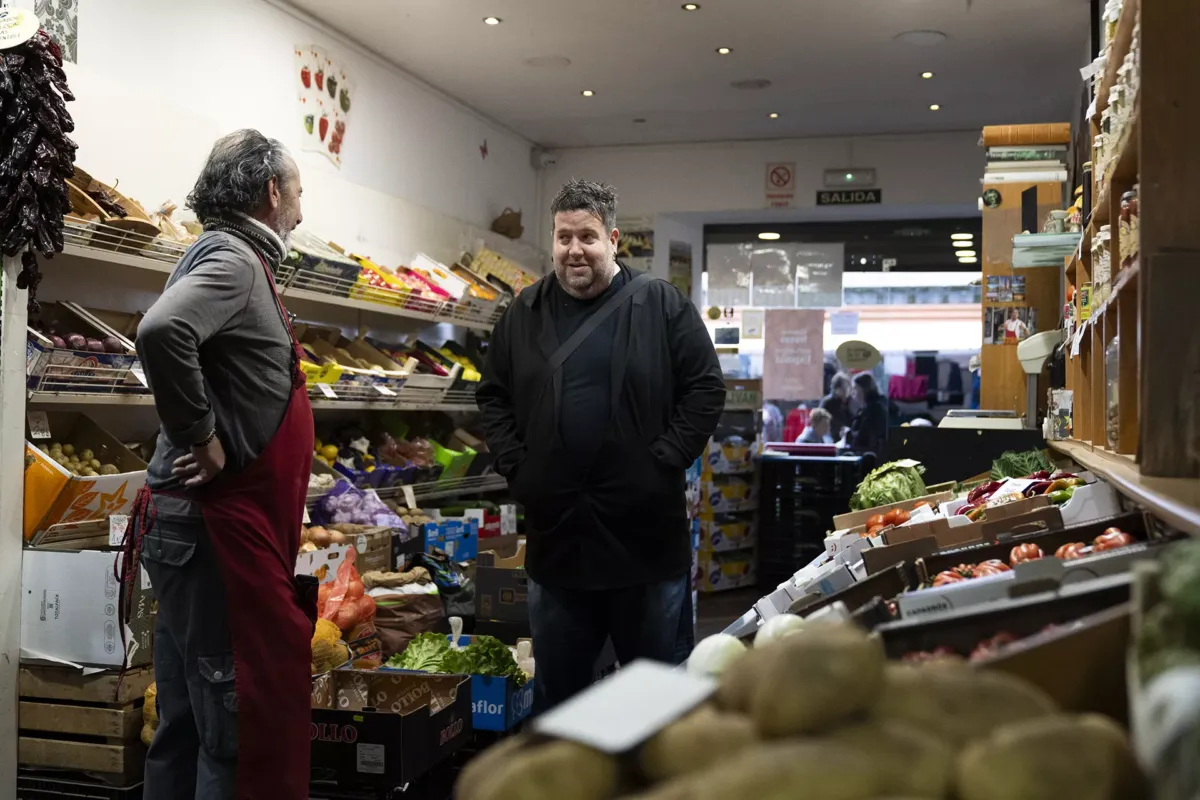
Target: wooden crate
86 724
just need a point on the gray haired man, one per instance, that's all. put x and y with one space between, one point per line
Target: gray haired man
601 387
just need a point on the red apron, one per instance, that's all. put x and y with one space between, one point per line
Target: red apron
253 519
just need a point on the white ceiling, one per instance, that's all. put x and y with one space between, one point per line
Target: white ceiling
835 65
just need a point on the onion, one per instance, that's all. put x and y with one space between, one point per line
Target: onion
777 628
714 654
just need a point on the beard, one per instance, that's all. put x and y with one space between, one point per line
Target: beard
585 285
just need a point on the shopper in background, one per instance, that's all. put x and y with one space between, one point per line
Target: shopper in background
837 404
817 429
601 387
218 525
869 430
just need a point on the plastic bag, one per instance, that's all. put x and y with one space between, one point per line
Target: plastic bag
345 603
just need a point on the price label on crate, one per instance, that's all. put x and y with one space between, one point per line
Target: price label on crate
39 425
410 498
117 525
306 519
327 390
385 391
140 374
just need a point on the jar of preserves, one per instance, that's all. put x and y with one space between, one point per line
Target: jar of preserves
1112 369
1124 238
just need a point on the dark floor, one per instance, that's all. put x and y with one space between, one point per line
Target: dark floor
716 611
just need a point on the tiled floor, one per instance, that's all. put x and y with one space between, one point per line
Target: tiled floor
714 612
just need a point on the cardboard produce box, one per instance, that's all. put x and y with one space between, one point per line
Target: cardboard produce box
723 571
720 534
50 368
728 494
501 585
69 611
385 729
853 518
54 497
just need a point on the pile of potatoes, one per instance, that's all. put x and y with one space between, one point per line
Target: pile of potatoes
821 714
79 461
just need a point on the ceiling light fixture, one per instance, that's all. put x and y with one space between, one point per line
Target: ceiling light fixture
862 262
966 254
724 51
957 236
926 75
587 93
968 261
691 7
492 20
935 107
773 115
961 244
767 236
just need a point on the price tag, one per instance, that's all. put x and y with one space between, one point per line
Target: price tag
306 519
385 391
117 525
39 425
410 499
17 26
1075 343
140 374
327 390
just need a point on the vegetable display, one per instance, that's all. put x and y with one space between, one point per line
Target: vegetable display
893 482
78 460
38 155
714 654
1014 464
1111 539
1170 630
821 714
485 655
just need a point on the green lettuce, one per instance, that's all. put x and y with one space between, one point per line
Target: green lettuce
1014 464
424 653
894 482
485 655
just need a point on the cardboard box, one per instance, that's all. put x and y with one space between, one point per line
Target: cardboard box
720 572
457 537
501 585
385 729
1030 577
743 395
1091 502
69 610
1030 515
322 564
54 369
853 518
727 533
53 496
406 546
374 550
728 494
885 585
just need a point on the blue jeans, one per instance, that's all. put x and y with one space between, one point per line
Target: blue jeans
570 627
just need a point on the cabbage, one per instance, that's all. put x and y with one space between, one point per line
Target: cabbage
713 655
778 627
894 482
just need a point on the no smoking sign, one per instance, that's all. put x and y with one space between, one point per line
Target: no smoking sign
781 184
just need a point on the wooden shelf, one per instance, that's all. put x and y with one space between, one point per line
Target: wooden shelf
1176 501
1117 50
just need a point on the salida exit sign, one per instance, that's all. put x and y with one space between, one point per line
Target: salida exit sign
850 197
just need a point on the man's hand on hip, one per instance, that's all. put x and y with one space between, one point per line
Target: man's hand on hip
201 465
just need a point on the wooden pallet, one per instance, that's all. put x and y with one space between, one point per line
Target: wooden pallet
85 724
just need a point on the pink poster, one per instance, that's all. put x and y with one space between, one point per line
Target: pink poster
794 354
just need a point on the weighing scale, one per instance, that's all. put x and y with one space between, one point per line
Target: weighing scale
976 419
1033 353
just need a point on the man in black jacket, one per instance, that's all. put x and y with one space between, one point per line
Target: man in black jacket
600 388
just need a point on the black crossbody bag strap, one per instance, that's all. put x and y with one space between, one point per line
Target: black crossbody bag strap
589 325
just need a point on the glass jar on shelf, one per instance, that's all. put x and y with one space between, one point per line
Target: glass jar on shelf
1112 367
1135 233
1125 239
1102 264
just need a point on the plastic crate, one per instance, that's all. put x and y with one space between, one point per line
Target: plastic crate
35 785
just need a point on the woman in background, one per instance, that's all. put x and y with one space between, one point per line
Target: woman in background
869 430
837 404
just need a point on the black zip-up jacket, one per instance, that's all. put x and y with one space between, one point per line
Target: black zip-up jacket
622 520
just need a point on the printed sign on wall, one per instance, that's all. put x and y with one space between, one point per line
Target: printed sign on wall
324 96
793 354
781 184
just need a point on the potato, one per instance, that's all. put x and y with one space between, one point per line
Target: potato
94 463
956 702
109 469
337 537
917 762
86 455
319 536
481 767
702 738
555 771
1081 757
68 450
814 679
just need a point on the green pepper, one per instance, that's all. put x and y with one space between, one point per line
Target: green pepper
1061 496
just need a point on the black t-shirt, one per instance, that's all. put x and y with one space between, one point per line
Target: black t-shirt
587 374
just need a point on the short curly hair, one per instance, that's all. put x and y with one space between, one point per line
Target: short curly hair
236 174
596 198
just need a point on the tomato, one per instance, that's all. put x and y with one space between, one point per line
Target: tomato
947 577
897 516
875 520
873 531
1112 539
997 563
920 504
1070 551
983 570
1024 552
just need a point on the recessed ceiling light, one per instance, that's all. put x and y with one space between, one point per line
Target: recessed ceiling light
926 75
691 7
862 262
935 107
968 261
966 254
773 115
958 236
961 244
767 236
724 51
492 20
587 93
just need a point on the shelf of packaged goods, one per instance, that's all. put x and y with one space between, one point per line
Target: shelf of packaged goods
457 487
1176 501
106 243
1116 51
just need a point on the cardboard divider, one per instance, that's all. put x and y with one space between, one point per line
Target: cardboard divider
885 584
853 518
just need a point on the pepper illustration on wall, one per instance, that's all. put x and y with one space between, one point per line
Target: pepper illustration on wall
324 93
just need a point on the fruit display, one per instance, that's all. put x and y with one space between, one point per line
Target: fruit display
320 482
38 155
78 460
1058 486
986 648
822 709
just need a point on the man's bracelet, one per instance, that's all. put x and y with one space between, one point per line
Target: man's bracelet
208 440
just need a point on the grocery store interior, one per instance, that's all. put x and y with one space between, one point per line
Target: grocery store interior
911 384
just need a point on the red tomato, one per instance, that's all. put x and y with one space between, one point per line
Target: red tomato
875 520
947 577
1024 552
1112 539
920 504
873 531
900 516
983 570
1070 551
997 563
